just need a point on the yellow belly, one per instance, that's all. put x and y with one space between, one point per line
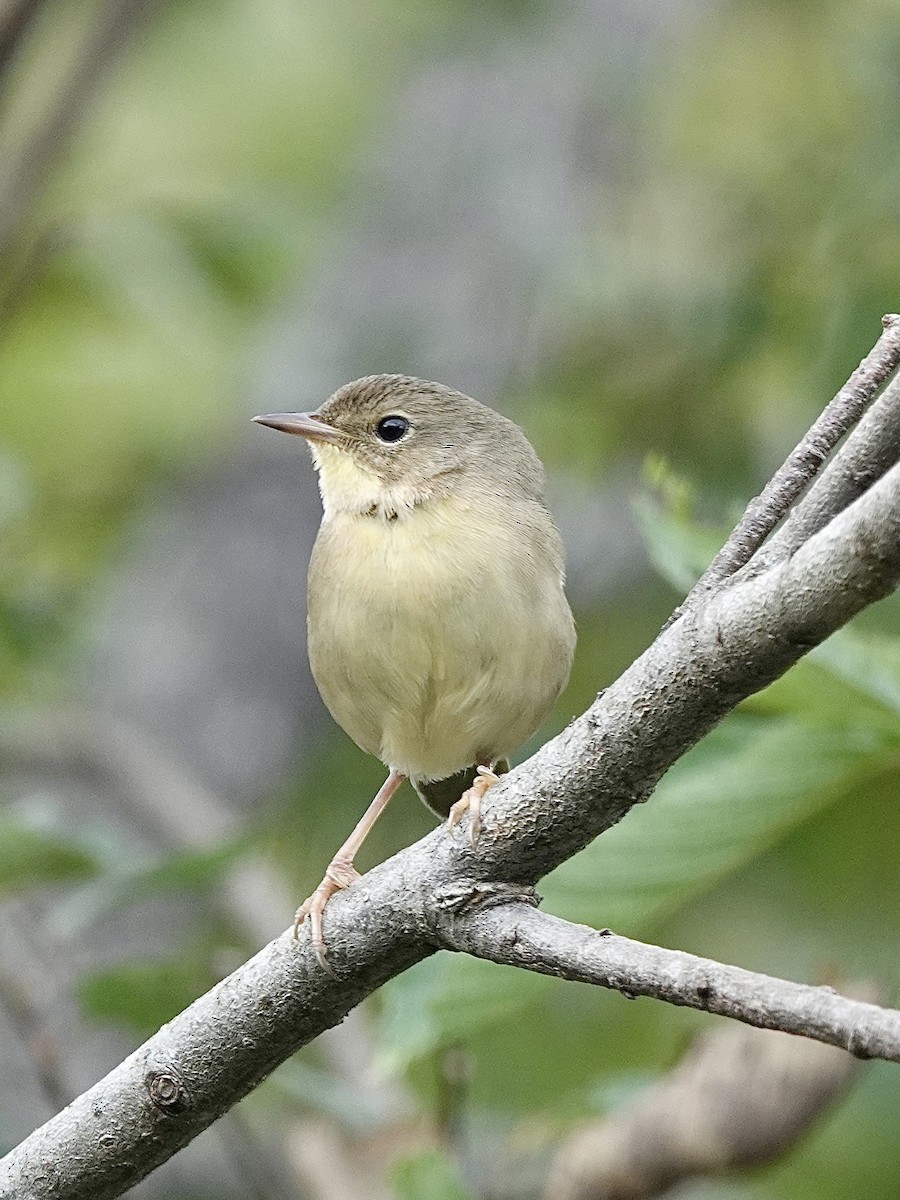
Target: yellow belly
434 641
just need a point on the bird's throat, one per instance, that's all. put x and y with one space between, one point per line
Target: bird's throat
350 488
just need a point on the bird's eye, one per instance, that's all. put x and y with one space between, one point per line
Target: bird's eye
391 429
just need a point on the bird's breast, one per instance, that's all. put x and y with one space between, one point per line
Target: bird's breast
441 637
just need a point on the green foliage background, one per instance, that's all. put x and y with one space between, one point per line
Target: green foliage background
730 284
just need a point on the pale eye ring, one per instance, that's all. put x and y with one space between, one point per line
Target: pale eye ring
392 429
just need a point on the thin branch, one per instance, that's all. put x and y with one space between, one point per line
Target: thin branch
25 178
16 21
329 1168
258 1170
870 450
577 785
518 935
772 505
29 1020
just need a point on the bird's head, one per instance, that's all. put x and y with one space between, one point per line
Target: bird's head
387 443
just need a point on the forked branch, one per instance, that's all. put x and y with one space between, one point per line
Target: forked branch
732 641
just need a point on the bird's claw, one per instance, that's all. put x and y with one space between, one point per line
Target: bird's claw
470 802
340 875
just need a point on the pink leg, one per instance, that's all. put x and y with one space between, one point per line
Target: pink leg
470 802
341 871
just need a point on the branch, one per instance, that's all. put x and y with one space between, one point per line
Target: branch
517 935
738 1098
16 21
29 1019
764 512
577 785
25 178
872 448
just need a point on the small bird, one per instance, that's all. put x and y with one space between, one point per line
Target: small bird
438 628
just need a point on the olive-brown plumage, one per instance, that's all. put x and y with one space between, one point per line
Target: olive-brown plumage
439 632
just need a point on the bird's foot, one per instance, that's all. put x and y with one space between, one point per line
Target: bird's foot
340 874
470 802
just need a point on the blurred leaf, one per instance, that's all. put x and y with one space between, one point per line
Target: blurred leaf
188 868
30 855
852 679
144 995
731 797
534 1040
679 547
442 999
676 494
125 883
869 664
427 1175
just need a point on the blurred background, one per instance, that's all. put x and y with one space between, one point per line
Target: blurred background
660 237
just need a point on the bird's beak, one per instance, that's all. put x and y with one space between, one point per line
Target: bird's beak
308 425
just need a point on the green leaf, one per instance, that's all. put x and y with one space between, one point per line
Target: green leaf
126 883
733 796
144 995
869 663
440 1000
679 547
851 679
427 1175
31 855
189 869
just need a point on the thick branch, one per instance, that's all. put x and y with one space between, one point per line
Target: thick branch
738 1098
520 936
766 510
579 784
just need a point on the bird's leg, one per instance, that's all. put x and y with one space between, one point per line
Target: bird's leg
470 802
341 871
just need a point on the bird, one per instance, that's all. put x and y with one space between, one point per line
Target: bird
438 629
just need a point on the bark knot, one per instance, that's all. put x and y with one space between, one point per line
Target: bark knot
166 1090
